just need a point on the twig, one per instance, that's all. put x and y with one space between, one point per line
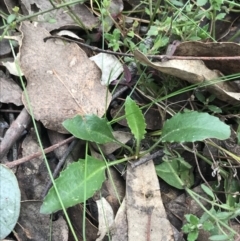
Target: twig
38 154
14 132
150 157
158 57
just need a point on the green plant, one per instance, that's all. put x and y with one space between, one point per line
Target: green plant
193 226
206 102
215 221
86 175
183 127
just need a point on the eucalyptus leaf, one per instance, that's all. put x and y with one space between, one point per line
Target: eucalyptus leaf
135 119
9 201
71 184
90 128
194 126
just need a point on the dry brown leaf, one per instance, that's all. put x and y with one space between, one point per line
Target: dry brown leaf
10 91
195 72
119 228
146 215
60 15
194 48
62 81
105 217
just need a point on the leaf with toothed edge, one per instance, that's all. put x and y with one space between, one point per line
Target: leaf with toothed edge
72 183
135 119
194 126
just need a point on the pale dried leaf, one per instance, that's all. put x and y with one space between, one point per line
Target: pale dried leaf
110 65
105 217
12 67
120 228
194 48
146 216
114 186
194 71
68 33
62 81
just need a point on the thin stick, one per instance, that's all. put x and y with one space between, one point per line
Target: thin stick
159 57
38 154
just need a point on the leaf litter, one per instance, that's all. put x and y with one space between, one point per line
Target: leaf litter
58 100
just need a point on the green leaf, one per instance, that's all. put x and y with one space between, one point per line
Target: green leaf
175 174
177 3
194 126
220 16
187 228
71 184
201 3
207 190
153 31
9 201
194 220
200 96
224 215
208 226
214 109
11 18
90 128
135 119
193 235
219 237
238 134
231 186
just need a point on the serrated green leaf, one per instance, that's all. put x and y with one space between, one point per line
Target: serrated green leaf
71 184
90 128
194 126
194 220
187 228
187 216
135 119
9 201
